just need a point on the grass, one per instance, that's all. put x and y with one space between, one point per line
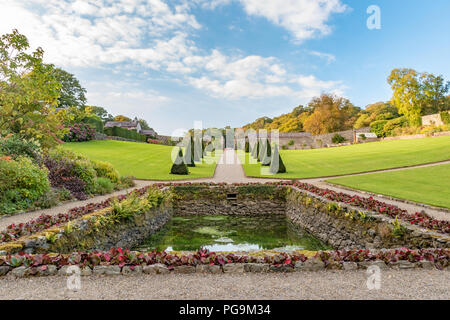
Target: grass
357 158
430 185
140 160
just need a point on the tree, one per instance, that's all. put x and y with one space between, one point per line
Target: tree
416 94
144 124
376 112
29 92
331 114
276 163
121 118
434 91
71 94
179 166
100 112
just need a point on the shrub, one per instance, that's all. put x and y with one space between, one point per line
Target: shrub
179 166
14 146
189 154
277 165
393 124
337 138
49 199
126 182
284 147
267 154
71 171
79 132
84 170
94 122
22 182
377 127
61 174
106 170
362 137
125 133
291 143
445 117
103 186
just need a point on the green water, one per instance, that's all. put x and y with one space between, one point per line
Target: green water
231 233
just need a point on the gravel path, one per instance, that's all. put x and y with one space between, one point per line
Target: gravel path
395 284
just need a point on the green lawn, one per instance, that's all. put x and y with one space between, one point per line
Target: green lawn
430 185
140 160
358 158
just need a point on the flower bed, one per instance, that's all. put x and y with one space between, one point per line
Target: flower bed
419 218
136 215
15 231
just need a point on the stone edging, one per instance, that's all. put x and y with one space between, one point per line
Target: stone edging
310 265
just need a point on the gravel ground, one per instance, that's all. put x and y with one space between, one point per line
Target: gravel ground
395 284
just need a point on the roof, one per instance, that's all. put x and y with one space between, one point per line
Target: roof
150 132
122 124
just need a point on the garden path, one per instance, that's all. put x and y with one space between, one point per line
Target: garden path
396 284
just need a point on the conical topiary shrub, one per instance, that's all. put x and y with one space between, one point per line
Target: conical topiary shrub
179 167
189 154
262 149
267 154
198 150
255 151
277 165
247 146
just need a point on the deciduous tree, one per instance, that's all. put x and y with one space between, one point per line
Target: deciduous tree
29 92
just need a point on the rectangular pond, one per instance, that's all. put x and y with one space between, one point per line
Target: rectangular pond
231 233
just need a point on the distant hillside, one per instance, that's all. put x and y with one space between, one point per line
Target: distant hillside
325 114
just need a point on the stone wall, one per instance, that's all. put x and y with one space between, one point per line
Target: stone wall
229 200
308 141
121 139
343 226
419 136
433 120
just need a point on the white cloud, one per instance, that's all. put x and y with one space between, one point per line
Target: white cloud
310 87
153 35
93 32
327 56
124 98
305 19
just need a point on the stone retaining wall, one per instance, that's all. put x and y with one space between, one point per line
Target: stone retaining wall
229 200
344 226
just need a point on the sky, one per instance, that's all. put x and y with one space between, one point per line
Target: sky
229 62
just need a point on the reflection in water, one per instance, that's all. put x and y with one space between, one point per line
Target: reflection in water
231 233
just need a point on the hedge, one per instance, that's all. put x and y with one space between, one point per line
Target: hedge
445 117
125 133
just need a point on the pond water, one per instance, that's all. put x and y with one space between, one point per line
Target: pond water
231 233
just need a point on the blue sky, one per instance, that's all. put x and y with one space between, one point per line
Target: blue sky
228 62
